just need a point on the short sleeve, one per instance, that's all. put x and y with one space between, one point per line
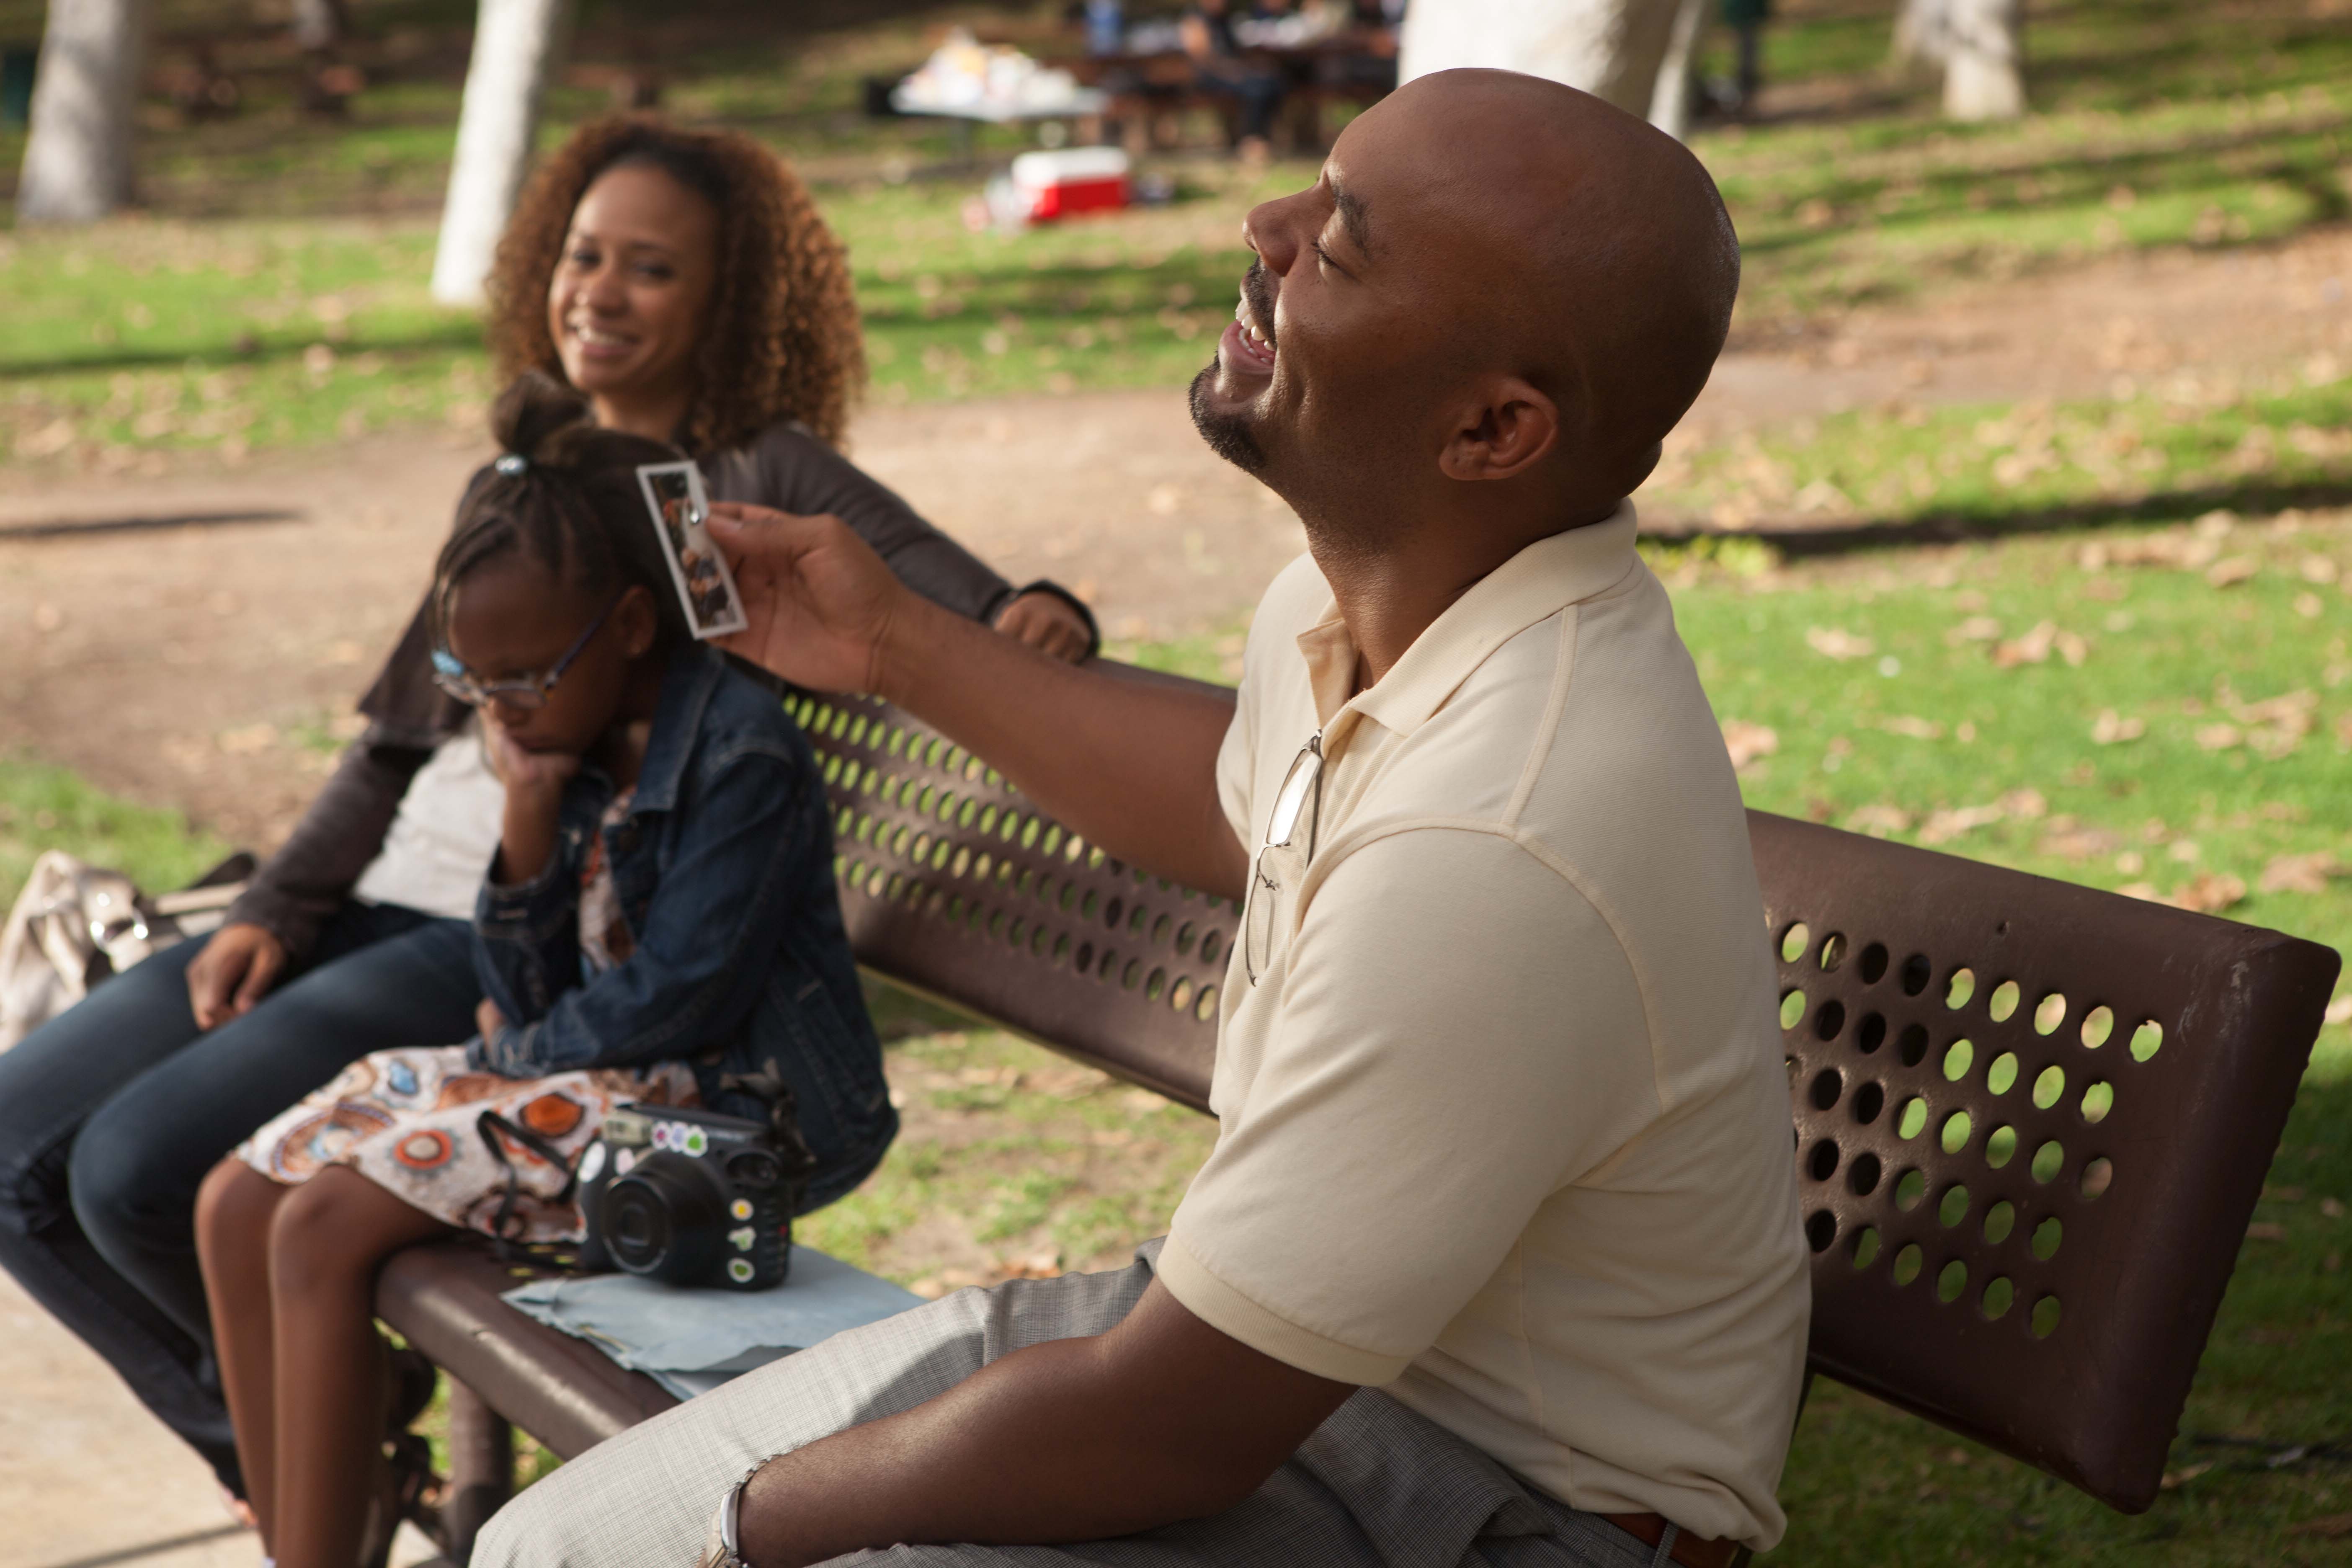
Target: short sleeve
1460 1037
1236 764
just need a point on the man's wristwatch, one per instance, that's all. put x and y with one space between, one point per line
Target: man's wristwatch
724 1546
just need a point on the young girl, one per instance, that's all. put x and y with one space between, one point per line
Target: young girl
659 923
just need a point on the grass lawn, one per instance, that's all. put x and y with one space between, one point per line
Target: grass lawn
274 293
45 807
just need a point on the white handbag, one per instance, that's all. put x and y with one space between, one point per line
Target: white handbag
76 924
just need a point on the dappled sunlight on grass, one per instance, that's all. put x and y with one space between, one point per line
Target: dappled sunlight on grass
1010 1162
2190 443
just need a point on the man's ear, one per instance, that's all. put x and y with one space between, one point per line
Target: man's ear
1507 427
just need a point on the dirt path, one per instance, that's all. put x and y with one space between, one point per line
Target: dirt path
204 666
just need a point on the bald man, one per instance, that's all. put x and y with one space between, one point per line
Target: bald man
1497 1258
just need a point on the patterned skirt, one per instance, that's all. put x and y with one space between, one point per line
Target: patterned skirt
411 1121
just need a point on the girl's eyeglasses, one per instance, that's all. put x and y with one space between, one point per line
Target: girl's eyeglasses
526 691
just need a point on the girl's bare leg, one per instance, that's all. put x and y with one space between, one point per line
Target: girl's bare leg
329 1236
234 1211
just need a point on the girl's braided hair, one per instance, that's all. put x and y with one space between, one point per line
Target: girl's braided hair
566 496
783 341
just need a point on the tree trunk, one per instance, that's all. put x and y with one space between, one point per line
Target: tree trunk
78 150
1984 71
319 24
1670 100
1923 33
1611 48
515 46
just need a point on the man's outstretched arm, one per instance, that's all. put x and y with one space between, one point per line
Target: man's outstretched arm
1160 1419
1131 765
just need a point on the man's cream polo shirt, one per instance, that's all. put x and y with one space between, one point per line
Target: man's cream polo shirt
1505 1124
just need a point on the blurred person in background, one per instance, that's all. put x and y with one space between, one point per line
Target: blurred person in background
1220 67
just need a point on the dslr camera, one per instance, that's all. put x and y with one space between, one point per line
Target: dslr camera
691 1197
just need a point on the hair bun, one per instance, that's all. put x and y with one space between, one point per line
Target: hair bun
533 416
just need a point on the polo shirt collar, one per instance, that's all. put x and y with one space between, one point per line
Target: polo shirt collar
1557 571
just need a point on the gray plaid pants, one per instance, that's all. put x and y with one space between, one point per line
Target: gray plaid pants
1375 1484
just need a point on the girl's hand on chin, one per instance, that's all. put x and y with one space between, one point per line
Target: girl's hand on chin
527 773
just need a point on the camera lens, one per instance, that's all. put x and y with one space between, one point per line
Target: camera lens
666 1219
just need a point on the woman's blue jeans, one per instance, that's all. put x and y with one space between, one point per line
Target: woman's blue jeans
112 1113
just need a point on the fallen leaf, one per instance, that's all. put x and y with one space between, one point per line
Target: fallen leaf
2330 1526
2073 843
2173 1480
2112 728
2231 572
2209 893
2264 1230
1823 495
2332 1208
2169 549
1878 821
2339 1011
1748 742
1950 824
2146 890
47 441
1975 628
1835 642
2026 805
2219 737
1916 727
2301 873
2033 648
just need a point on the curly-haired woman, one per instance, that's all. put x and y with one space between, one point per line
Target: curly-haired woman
683 280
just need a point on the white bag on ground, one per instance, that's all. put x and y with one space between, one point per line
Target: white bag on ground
75 924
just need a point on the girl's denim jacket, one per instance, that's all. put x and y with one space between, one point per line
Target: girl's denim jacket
723 870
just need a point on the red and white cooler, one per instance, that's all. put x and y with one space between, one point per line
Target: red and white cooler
1068 180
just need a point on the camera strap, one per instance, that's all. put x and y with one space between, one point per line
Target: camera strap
490 1124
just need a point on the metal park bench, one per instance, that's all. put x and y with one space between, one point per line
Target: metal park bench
2031 1118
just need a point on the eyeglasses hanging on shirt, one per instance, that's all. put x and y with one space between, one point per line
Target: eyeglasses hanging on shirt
1282 859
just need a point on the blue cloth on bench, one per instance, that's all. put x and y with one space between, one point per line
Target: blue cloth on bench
690 1342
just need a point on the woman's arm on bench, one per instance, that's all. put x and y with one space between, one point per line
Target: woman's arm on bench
1131 765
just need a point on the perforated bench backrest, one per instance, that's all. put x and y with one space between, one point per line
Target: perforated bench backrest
2023 1237
956 886
2033 1119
